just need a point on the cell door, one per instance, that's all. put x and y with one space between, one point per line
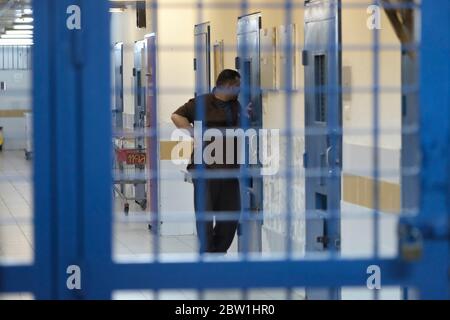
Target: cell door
118 86
140 81
248 64
202 63
323 123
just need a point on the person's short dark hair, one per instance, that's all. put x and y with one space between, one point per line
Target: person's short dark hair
227 76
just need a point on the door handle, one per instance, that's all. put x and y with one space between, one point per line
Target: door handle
327 156
332 162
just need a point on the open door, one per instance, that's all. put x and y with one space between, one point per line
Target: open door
248 64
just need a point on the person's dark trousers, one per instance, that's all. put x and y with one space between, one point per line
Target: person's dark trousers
221 196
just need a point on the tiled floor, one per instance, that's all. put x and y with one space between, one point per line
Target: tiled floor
132 240
16 232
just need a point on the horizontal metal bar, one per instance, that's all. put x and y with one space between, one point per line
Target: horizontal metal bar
17 278
254 274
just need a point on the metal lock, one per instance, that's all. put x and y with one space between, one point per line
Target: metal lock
411 243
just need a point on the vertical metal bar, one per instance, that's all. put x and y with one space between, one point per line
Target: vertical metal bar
202 172
154 134
375 133
288 52
334 131
201 184
66 145
244 123
43 138
433 219
95 139
78 185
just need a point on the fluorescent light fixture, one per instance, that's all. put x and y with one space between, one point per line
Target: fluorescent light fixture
29 32
27 11
23 27
16 42
16 36
24 20
116 10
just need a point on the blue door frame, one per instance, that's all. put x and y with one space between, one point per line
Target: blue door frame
72 190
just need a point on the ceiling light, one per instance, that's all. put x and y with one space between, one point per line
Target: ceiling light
30 32
23 27
24 20
27 11
16 36
116 10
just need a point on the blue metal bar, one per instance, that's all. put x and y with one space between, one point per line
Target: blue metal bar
227 5
289 75
95 130
433 220
244 178
334 127
43 142
19 278
257 274
288 52
201 185
375 137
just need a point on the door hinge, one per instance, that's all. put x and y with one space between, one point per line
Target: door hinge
134 72
195 64
305 160
237 63
304 57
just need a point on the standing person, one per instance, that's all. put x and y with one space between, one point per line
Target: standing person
221 110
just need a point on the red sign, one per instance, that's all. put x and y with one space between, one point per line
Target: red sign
136 158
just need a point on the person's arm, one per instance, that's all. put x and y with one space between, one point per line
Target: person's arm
182 122
183 117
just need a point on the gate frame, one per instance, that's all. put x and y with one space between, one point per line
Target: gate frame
73 211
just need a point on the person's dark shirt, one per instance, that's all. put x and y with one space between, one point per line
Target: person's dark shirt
216 114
